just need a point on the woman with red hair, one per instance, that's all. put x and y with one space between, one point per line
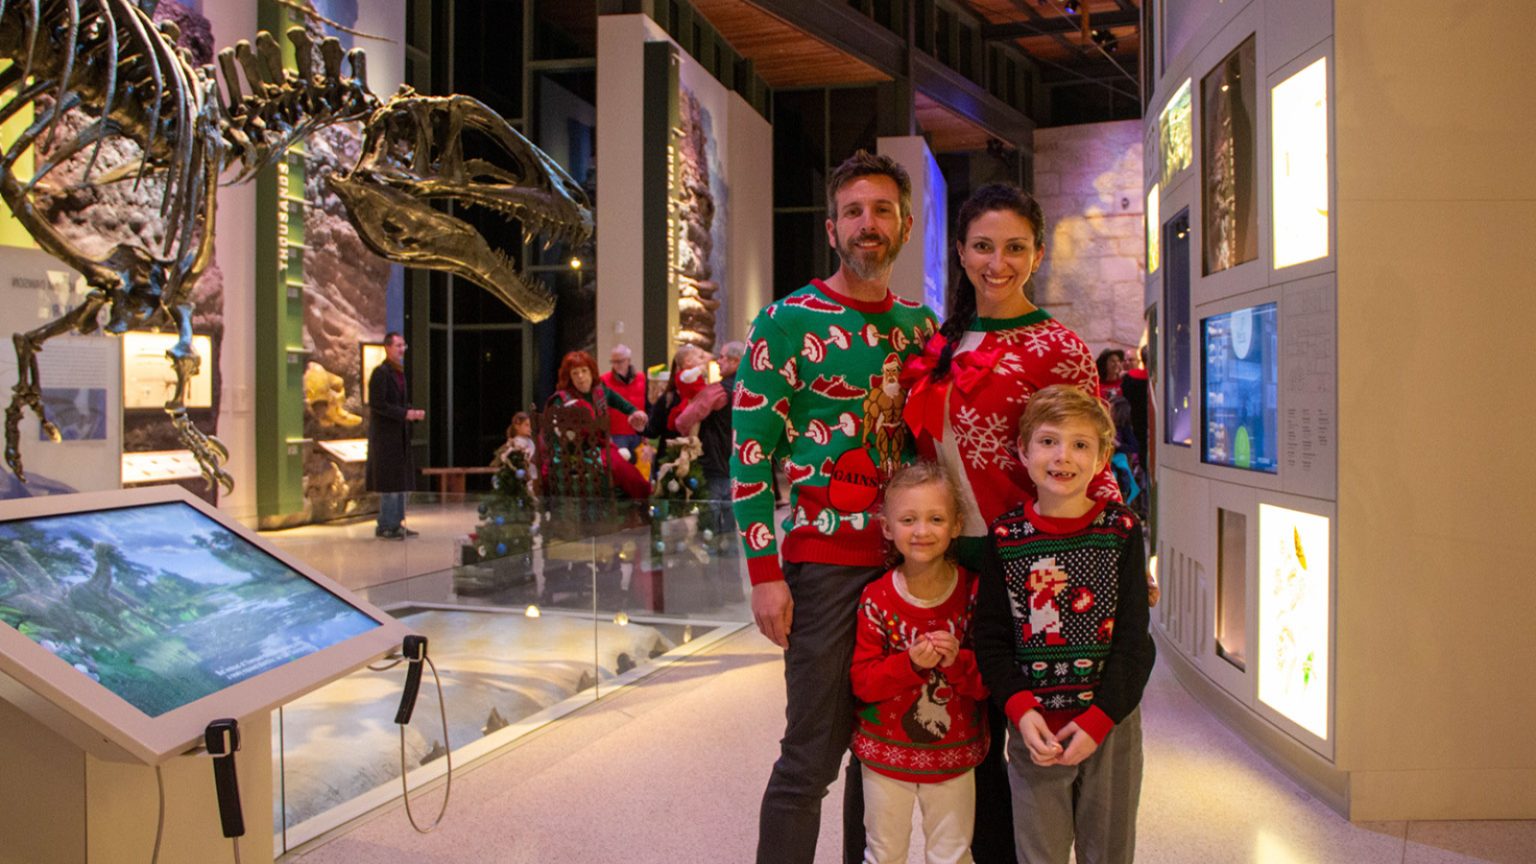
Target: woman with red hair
579 384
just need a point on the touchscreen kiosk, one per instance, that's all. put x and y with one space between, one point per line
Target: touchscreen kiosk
1241 402
130 619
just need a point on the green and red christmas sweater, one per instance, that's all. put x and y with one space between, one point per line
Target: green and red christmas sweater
918 725
819 391
1062 617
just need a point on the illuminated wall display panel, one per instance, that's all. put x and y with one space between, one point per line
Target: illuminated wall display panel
1176 133
1293 615
1240 406
1179 414
1154 223
1228 164
1299 133
373 355
148 380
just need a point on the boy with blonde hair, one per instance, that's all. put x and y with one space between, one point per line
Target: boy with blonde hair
1070 681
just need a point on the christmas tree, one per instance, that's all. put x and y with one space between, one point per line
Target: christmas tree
506 518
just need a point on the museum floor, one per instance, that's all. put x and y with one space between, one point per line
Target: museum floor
671 769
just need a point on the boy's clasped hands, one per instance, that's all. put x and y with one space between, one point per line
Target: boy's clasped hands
936 648
1046 748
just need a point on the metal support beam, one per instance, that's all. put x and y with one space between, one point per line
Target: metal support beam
966 98
1041 26
842 27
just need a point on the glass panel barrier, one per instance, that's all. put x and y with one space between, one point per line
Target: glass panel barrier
529 615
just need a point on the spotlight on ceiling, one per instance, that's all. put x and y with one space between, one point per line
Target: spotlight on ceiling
1106 39
1072 7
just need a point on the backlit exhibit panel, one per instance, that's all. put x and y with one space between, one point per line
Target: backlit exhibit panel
160 604
372 355
1228 164
1293 615
1299 132
1153 226
149 379
1178 413
1242 378
1176 133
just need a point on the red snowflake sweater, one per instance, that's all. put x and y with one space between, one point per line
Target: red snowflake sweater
971 415
1062 617
819 390
920 726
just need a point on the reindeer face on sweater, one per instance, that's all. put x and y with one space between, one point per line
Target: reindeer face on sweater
928 720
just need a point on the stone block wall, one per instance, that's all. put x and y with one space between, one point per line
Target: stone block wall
1088 179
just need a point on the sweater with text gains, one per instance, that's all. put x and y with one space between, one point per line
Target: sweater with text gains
818 390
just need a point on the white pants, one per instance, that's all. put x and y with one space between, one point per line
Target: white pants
948 810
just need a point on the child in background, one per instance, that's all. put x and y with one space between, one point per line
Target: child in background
922 731
520 436
1070 681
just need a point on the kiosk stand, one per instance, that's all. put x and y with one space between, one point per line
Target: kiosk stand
132 625
62 805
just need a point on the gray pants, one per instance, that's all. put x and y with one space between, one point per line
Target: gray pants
1093 802
819 713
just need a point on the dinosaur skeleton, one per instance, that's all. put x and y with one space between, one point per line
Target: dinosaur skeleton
107 61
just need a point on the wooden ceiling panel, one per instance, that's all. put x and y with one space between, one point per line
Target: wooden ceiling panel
947 131
781 54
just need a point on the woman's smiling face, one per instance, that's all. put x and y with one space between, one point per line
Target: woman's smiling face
999 253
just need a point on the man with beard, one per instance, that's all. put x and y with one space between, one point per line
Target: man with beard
814 360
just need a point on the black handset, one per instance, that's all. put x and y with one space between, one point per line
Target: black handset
415 650
222 739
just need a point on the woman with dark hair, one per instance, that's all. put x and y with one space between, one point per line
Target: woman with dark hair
965 395
1111 367
578 384
968 389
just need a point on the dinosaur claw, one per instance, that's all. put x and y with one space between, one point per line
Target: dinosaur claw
52 431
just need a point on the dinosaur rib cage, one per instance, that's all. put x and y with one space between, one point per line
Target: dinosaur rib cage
107 59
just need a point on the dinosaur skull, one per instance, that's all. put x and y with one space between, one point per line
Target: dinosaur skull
414 154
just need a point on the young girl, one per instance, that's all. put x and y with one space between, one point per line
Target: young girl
921 730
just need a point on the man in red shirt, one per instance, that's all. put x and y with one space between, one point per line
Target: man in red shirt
624 379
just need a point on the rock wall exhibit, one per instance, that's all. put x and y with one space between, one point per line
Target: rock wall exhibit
345 290
694 216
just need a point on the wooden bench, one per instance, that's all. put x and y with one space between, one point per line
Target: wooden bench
452 479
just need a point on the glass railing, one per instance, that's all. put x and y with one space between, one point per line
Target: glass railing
526 621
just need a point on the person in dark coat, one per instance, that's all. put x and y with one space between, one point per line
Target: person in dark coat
390 472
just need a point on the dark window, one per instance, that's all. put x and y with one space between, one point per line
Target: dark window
967 51
799 148
944 28
852 122
562 30
566 129
800 250
488 54
487 390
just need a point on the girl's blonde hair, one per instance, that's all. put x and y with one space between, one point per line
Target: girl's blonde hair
910 477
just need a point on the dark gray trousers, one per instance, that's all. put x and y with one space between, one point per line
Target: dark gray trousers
819 711
1092 803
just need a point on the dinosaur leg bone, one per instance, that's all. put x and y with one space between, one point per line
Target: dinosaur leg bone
28 393
210 452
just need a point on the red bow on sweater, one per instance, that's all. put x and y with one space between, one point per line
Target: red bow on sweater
924 411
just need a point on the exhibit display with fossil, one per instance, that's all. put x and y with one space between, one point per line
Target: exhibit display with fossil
103 72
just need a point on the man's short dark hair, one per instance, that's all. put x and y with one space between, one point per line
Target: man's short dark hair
867 164
391 336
